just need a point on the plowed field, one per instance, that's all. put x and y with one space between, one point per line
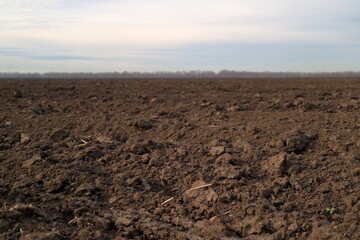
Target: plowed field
180 159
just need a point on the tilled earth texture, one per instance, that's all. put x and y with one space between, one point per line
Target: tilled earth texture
180 159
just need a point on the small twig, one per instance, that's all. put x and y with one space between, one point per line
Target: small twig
73 221
226 213
167 201
83 142
346 233
174 189
199 187
212 219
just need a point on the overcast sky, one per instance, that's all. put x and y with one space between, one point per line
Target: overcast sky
169 35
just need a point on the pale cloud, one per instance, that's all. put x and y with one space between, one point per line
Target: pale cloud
169 23
139 29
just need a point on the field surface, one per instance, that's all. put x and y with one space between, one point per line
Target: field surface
180 159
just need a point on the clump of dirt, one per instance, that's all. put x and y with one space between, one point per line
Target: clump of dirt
180 159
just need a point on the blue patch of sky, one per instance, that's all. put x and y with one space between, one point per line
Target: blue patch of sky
236 56
259 57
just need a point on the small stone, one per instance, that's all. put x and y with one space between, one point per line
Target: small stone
217 150
122 219
102 222
282 182
98 234
38 109
288 207
56 185
156 160
86 189
113 199
138 149
159 211
217 142
298 142
137 196
28 163
233 108
276 165
93 154
227 171
252 225
324 188
4 186
59 135
44 144
145 158
27 210
266 193
145 183
308 106
293 227
253 130
242 146
24 138
70 144
17 94
225 158
135 181
143 125
356 171
181 151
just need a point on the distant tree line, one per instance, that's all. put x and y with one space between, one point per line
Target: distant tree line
178 74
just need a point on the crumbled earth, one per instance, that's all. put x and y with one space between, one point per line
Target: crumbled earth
180 159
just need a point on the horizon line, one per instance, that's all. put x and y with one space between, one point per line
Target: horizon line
178 74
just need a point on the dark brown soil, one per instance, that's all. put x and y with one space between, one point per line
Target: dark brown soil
93 159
